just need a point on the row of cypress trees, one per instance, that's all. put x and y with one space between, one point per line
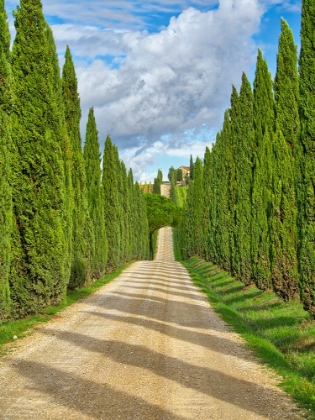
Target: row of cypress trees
251 205
64 221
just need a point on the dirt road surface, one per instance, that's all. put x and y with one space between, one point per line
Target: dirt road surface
146 346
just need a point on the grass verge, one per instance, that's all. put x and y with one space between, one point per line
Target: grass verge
20 328
280 333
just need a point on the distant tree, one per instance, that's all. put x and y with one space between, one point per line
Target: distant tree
179 175
170 173
173 195
161 211
160 176
192 168
157 183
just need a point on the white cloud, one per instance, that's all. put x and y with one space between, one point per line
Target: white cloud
172 81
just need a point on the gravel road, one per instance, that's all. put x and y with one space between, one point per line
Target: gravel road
146 346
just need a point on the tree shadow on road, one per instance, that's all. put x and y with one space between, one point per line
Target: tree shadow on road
210 382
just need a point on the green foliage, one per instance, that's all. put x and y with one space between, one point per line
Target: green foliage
5 165
244 155
173 195
263 171
179 175
82 234
192 168
112 206
94 195
37 276
307 120
170 173
286 172
59 126
161 211
157 183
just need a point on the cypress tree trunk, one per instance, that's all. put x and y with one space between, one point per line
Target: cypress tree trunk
307 120
82 235
95 203
5 165
287 174
37 271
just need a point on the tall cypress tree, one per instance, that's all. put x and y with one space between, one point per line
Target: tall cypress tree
82 235
286 174
307 120
207 197
96 206
244 153
231 176
223 216
111 203
197 210
5 165
59 126
192 168
37 271
264 122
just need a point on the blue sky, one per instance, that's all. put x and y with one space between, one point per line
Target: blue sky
159 72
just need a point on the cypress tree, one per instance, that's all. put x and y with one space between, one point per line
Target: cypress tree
59 126
192 168
94 195
157 183
111 204
307 121
173 195
207 197
5 164
283 233
223 216
244 150
264 122
197 210
37 270
231 177
287 174
82 235
213 245
126 213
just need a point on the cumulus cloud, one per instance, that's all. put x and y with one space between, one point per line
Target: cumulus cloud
158 89
173 81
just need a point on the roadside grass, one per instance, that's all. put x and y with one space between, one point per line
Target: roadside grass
280 333
22 327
